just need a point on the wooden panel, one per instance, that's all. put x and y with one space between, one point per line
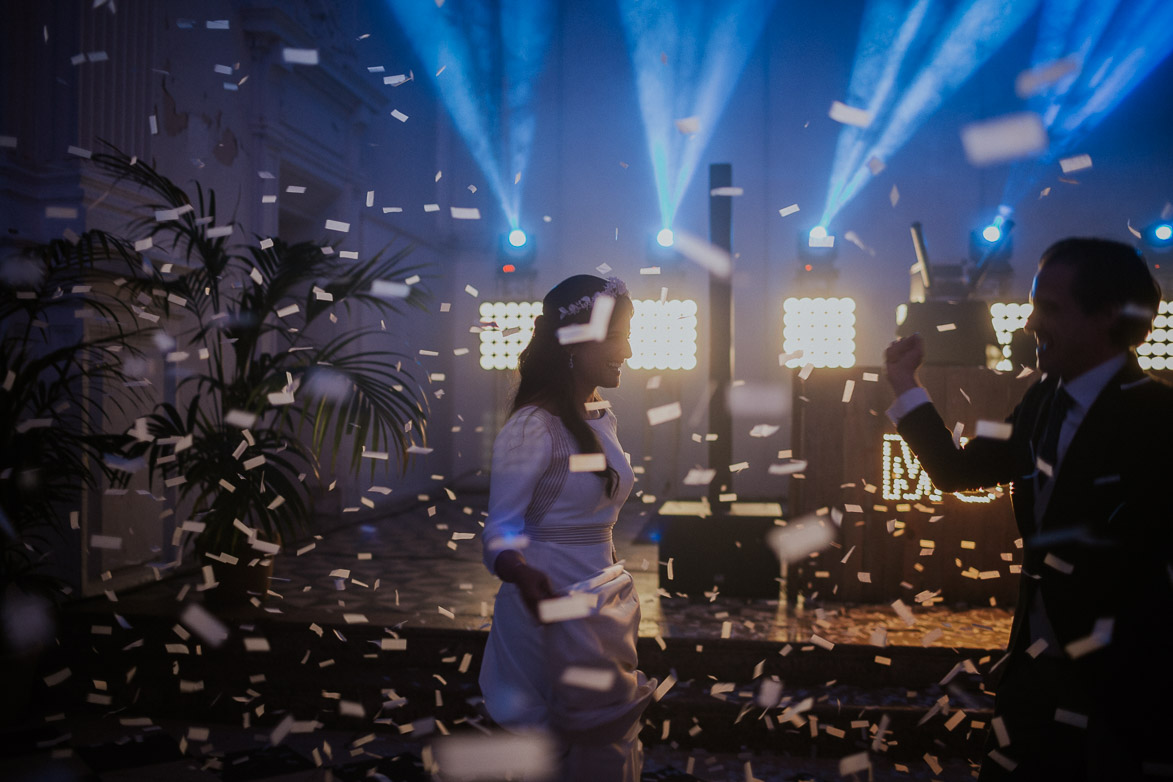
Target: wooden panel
843 444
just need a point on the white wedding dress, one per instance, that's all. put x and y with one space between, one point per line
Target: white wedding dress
561 521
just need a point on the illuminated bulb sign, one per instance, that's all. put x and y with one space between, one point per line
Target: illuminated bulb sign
663 333
905 480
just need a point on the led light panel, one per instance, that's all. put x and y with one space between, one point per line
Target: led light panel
822 328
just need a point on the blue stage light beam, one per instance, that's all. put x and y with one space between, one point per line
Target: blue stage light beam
687 56
1113 45
484 60
909 60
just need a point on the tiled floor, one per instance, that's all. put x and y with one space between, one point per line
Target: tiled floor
421 567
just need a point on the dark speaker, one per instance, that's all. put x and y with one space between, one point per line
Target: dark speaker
955 333
726 552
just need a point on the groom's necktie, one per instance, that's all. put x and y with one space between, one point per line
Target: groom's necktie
1048 450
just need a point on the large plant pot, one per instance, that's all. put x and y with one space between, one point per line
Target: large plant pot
239 583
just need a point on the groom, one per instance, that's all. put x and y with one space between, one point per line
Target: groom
1087 685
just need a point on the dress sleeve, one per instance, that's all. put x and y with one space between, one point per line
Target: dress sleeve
521 453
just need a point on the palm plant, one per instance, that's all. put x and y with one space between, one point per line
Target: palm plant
274 383
54 441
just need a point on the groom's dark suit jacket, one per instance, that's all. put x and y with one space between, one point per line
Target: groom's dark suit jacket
1105 545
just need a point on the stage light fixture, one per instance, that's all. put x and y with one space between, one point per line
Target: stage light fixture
993 244
665 238
1157 350
663 334
515 252
822 328
818 237
1158 236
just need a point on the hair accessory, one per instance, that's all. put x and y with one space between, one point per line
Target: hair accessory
614 288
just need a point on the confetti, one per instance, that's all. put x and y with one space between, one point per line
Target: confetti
53 679
465 213
386 289
561 609
787 468
399 115
688 125
822 642
598 679
1072 718
800 538
204 624
1075 163
1009 137
497 756
587 462
995 430
1039 78
337 225
300 56
1055 562
698 476
788 210
904 612
849 115
107 542
664 413
715 260
854 764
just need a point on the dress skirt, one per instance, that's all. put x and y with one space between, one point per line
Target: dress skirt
576 678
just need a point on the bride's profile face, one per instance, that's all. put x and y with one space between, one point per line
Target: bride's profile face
600 364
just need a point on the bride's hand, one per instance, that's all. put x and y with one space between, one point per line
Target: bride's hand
533 584
534 587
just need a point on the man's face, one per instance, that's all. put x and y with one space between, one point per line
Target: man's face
1068 340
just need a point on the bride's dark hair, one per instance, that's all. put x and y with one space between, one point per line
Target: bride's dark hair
546 377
